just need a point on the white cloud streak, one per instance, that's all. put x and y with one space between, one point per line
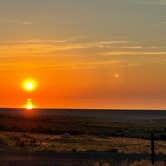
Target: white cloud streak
17 21
50 47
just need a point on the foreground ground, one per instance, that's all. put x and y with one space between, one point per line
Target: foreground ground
17 148
72 159
30 138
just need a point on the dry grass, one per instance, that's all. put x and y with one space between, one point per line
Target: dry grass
126 163
58 143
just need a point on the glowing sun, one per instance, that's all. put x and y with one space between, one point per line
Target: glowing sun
29 85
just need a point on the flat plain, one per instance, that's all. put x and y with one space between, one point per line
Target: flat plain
81 137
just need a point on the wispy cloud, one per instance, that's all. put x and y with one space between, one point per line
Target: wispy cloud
134 53
17 21
64 54
26 23
55 45
131 47
51 47
109 44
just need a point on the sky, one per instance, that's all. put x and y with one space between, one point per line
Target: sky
83 54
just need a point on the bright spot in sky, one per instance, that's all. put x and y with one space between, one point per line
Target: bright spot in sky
29 104
116 75
29 85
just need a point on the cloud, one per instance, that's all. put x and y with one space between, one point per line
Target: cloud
134 53
38 46
68 55
154 53
109 44
65 47
17 21
46 46
26 23
132 47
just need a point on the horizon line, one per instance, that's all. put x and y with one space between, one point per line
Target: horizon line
93 109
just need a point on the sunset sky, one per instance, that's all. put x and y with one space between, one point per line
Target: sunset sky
83 53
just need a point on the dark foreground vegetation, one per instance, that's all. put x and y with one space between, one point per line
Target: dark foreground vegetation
75 140
29 121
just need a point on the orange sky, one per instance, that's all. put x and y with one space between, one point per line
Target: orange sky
69 77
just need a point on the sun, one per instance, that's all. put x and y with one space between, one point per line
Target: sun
29 85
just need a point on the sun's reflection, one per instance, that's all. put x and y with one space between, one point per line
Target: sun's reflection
29 105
